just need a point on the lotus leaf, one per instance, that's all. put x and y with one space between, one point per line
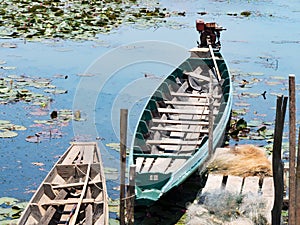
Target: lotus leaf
56 91
7 134
8 200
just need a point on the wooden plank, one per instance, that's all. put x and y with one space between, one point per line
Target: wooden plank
147 164
213 182
176 164
193 95
139 163
35 211
268 196
160 165
176 134
182 122
73 153
69 185
87 176
173 141
234 184
185 111
251 185
70 201
198 76
180 129
60 186
88 155
268 187
49 190
51 210
190 103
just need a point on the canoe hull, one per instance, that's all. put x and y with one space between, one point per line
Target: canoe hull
74 190
172 134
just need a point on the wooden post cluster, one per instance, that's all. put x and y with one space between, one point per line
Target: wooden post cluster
277 162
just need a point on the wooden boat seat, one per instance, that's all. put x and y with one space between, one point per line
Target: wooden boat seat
194 95
61 186
71 201
198 76
185 111
182 122
179 128
190 103
171 141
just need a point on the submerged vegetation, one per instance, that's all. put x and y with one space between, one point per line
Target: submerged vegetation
77 19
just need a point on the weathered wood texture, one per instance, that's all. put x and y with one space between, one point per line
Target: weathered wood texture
277 162
292 151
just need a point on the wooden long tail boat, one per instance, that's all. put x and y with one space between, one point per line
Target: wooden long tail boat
73 192
183 122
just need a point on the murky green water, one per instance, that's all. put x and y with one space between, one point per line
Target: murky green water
261 48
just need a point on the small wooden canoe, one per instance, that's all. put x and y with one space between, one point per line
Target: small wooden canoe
74 191
182 123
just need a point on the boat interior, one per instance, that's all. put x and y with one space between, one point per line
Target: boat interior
175 122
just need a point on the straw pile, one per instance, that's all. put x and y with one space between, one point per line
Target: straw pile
243 160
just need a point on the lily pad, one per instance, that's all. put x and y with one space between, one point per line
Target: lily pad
8 200
7 134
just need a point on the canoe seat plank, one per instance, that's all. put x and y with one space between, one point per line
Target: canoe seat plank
173 141
180 129
185 111
190 103
198 76
182 122
60 186
71 201
193 95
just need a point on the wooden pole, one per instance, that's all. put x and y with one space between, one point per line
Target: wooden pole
210 118
292 151
298 182
123 140
131 196
277 162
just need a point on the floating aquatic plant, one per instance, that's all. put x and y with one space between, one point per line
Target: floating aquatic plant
77 19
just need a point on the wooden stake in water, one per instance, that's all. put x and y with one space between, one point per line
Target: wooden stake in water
277 162
123 139
298 183
292 151
131 196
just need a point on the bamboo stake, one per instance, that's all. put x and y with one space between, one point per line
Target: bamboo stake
123 138
292 151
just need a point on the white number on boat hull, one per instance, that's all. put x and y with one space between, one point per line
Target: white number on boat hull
153 177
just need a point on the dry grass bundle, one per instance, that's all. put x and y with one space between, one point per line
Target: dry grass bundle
243 160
